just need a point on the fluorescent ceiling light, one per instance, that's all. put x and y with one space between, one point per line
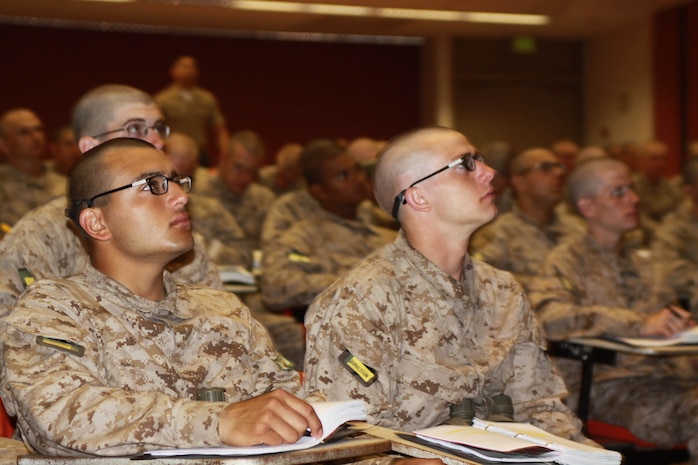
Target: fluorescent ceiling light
395 13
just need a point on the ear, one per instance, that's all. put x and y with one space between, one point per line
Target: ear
586 207
416 200
85 143
317 192
93 223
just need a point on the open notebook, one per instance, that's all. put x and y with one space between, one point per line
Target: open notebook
689 336
331 414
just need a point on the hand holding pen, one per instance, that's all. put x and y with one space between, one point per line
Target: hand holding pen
670 320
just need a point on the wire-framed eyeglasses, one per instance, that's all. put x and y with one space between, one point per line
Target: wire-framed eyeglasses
140 129
158 185
468 161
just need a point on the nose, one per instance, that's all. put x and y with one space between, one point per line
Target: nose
632 197
484 172
177 194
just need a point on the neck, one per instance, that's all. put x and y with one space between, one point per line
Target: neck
607 239
447 251
30 167
143 279
541 214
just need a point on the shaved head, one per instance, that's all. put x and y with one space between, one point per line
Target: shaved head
585 181
404 159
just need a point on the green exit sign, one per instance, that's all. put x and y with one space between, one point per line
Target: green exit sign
523 45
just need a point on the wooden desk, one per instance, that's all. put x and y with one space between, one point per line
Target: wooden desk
342 449
375 440
409 448
591 350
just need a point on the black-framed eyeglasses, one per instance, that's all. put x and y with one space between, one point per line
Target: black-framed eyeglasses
468 161
545 167
140 129
158 184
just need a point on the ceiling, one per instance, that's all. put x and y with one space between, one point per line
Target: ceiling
573 19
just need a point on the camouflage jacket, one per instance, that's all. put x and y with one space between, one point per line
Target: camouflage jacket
431 341
92 368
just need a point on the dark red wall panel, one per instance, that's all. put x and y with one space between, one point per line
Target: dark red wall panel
285 90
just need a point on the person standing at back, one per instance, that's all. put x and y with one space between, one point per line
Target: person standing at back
193 110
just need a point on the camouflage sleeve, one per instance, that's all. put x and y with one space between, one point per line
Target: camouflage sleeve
294 270
43 244
555 296
534 386
361 331
670 250
64 406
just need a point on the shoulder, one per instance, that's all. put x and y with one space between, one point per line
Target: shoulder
494 280
260 192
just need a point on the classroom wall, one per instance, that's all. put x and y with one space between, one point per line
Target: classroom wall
618 93
285 90
527 99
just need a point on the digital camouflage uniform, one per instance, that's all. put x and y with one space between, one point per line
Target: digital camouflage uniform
432 342
249 209
675 244
514 242
656 200
286 211
225 239
310 256
20 192
44 243
135 386
584 290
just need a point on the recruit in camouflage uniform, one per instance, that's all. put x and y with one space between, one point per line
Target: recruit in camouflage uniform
676 245
310 256
225 239
584 290
44 245
20 193
514 242
248 209
288 210
127 381
432 341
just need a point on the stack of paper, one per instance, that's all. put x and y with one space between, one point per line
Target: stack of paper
516 442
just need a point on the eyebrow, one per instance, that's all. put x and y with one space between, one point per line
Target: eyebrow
134 120
148 174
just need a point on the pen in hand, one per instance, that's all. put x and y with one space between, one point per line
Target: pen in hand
685 317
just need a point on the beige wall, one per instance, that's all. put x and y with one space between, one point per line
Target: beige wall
524 99
618 85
